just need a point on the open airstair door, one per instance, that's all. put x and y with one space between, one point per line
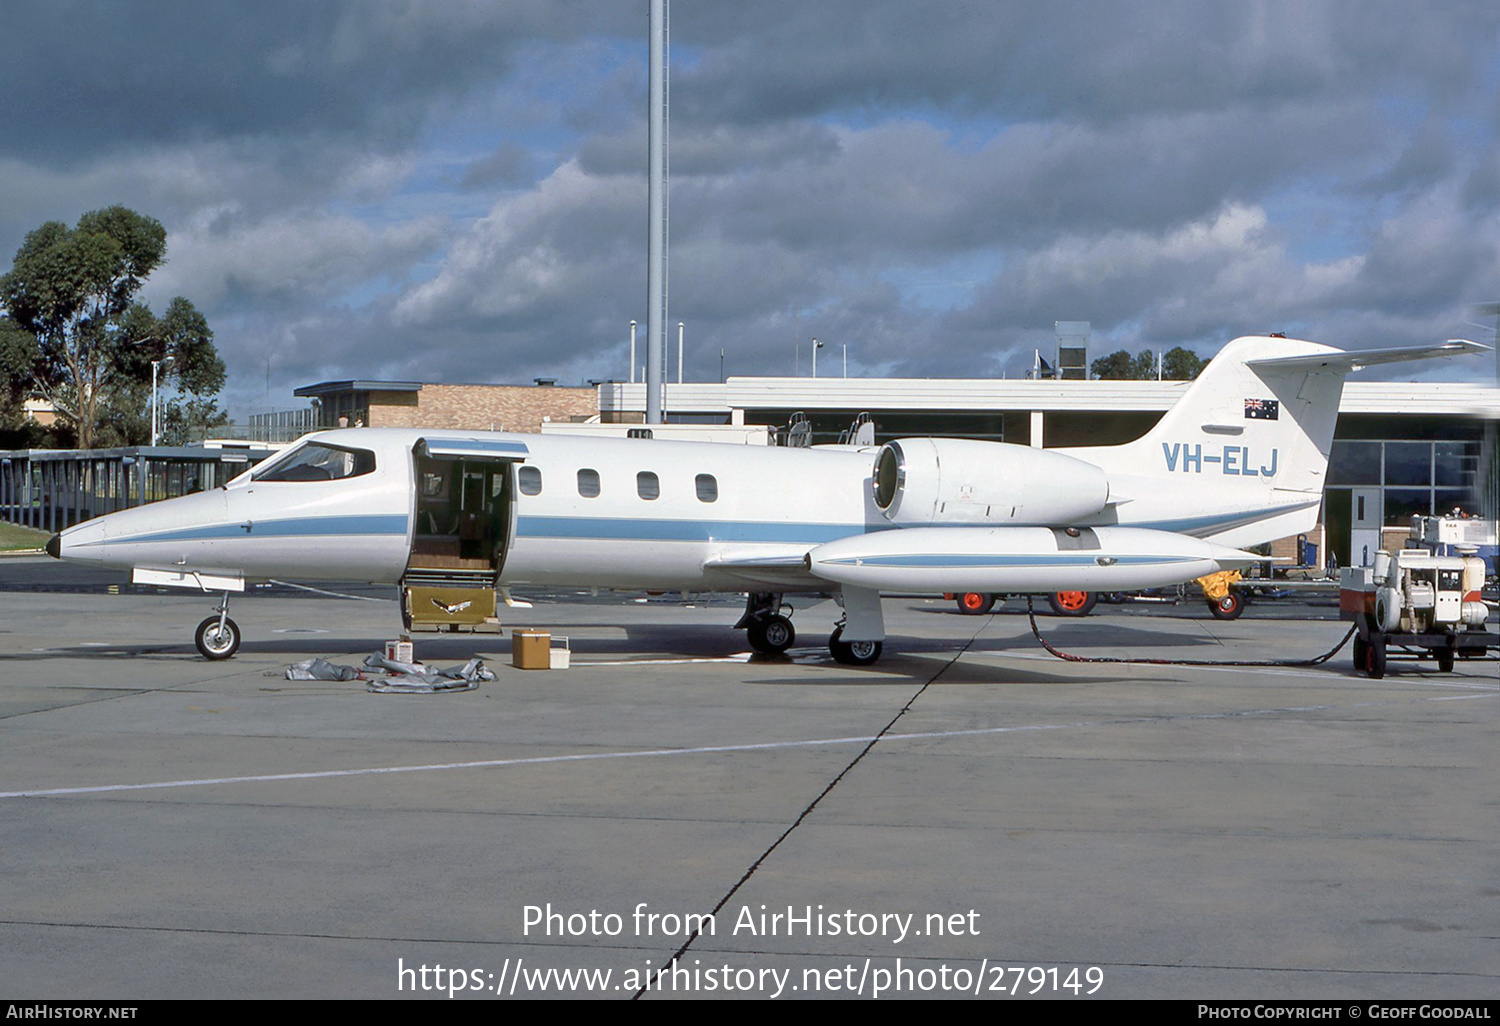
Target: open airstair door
464 520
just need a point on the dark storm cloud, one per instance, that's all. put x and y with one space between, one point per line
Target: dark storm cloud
904 186
100 76
456 189
1072 60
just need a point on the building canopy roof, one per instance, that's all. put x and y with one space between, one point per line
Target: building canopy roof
323 388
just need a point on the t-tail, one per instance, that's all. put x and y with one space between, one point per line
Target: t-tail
1242 456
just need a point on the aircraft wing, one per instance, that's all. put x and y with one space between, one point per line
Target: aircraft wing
1354 360
773 570
940 559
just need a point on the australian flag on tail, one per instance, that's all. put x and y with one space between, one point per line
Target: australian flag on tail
1262 409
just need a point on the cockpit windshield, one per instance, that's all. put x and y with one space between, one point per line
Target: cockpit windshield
314 461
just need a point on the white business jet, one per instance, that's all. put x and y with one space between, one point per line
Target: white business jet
450 517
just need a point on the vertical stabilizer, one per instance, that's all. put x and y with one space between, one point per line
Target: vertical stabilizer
1242 456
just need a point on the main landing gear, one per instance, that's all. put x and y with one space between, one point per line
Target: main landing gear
852 653
769 630
768 625
772 635
218 637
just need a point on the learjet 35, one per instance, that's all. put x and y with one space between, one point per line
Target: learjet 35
453 517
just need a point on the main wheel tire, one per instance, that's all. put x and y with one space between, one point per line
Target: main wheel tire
771 635
975 603
1375 658
1229 607
1444 658
214 643
853 653
1073 603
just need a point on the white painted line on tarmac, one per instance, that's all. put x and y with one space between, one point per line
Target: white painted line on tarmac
481 764
665 752
741 657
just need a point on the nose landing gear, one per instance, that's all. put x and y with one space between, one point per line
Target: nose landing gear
218 637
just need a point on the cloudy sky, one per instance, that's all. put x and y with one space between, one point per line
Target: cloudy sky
452 191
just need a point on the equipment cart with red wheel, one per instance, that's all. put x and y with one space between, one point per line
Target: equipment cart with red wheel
1418 603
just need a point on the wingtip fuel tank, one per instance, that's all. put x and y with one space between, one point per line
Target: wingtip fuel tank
1018 559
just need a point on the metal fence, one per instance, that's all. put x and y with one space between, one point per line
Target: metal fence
51 489
281 425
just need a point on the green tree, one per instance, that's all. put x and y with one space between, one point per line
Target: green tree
16 348
1177 364
190 375
1121 366
73 290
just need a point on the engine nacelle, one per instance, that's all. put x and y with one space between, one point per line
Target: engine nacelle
954 480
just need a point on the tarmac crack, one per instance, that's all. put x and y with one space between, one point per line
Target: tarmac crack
807 811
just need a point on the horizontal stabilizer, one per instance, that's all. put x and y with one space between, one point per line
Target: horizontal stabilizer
1354 360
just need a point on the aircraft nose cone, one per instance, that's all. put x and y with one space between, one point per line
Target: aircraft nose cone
54 546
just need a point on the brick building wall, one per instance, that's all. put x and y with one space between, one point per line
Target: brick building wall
482 407
1285 550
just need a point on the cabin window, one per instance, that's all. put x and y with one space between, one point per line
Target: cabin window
708 488
588 484
530 479
647 486
317 462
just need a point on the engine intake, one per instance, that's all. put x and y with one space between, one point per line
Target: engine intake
954 480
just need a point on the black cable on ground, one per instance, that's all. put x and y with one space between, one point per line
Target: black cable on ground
1183 662
656 976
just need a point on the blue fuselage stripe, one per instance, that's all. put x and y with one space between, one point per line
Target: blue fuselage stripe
609 528
289 527
1222 521
606 529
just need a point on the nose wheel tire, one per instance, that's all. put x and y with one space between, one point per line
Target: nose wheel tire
215 642
771 635
853 653
1072 603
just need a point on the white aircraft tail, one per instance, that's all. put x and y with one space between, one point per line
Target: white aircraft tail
1242 455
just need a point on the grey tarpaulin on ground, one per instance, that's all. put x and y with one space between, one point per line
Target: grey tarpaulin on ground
411 678
320 669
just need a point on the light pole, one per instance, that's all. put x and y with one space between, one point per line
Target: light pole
155 367
816 345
